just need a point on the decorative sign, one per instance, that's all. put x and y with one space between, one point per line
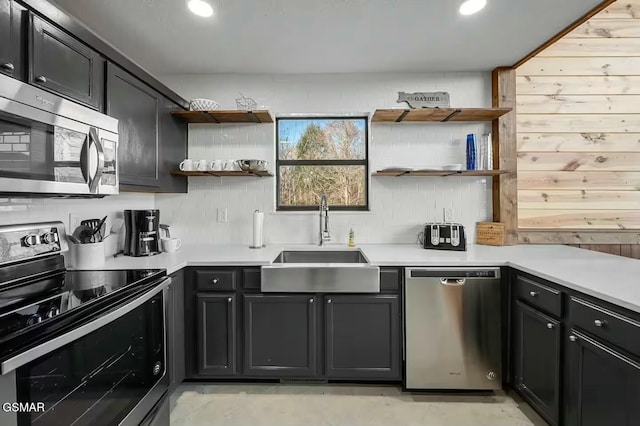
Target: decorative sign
425 99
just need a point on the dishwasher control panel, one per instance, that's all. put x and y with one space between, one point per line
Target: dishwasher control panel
454 273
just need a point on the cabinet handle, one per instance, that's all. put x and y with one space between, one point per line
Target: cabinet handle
311 300
573 338
215 281
8 66
599 323
41 79
329 301
229 300
550 325
533 293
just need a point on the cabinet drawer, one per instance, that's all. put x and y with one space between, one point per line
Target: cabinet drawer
622 331
538 295
251 279
215 279
390 279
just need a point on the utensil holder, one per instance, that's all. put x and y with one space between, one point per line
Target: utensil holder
87 256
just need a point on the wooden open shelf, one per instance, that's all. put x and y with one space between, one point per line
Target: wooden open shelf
225 116
442 173
438 115
221 173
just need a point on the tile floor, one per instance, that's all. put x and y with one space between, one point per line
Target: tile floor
268 404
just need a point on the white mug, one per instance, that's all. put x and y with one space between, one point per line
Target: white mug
186 165
170 245
202 165
230 165
217 165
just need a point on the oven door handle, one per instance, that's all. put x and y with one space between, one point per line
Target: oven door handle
34 353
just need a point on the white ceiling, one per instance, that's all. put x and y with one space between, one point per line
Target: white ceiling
311 36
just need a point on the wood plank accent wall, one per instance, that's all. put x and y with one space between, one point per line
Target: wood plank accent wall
578 135
625 250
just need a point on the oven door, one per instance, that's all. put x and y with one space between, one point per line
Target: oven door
113 374
44 152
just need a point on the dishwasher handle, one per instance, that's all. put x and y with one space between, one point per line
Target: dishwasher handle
453 273
453 281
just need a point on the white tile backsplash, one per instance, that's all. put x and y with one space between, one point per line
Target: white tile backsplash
399 206
28 210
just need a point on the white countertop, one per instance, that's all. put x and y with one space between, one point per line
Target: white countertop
614 279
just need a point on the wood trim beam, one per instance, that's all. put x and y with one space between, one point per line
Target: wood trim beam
505 155
599 8
578 237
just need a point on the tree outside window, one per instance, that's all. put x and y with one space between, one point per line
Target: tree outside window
319 156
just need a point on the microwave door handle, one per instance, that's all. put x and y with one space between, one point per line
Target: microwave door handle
84 160
93 182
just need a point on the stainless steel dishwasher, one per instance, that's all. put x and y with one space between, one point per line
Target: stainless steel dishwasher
453 328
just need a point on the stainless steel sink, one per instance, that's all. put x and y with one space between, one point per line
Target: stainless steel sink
321 256
321 271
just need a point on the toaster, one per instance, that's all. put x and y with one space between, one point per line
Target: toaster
444 236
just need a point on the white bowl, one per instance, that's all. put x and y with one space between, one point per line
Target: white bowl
202 104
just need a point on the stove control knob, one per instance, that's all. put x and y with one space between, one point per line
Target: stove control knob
52 312
34 319
31 240
49 238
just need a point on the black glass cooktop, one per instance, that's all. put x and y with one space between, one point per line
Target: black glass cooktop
67 292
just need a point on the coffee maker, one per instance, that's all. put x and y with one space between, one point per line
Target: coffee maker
142 232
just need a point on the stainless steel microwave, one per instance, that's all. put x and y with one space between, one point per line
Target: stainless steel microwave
52 146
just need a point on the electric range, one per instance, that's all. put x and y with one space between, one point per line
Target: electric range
77 347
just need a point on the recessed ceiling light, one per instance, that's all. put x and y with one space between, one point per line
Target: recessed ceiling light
469 7
200 8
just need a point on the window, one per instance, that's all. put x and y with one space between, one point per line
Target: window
322 155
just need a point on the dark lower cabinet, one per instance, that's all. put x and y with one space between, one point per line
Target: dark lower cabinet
604 385
176 330
216 334
280 335
537 360
12 40
362 335
136 106
62 64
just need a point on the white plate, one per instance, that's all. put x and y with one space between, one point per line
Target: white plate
430 169
397 169
452 167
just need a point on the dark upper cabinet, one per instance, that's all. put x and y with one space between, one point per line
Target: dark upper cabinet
604 385
12 40
152 141
216 334
173 147
362 335
537 360
137 108
280 335
60 63
176 330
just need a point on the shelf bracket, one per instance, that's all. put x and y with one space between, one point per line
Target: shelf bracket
210 118
453 114
253 117
403 115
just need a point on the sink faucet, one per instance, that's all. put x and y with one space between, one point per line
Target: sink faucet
324 212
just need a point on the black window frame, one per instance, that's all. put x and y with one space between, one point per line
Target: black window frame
364 162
